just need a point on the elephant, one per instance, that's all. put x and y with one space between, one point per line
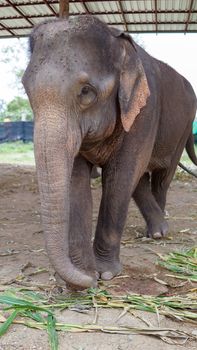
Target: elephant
99 99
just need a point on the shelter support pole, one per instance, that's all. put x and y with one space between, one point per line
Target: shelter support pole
63 8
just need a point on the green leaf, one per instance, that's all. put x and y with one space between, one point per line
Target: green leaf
36 316
51 329
4 299
20 303
8 322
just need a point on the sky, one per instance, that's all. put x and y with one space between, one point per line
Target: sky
178 50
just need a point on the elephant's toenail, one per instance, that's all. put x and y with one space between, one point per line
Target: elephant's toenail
107 275
157 235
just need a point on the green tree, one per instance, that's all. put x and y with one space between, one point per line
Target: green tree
17 109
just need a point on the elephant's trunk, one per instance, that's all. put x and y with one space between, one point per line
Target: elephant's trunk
56 145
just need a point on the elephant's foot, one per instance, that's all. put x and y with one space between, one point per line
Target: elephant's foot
72 287
107 269
157 230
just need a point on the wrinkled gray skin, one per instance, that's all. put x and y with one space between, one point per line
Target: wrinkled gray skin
98 98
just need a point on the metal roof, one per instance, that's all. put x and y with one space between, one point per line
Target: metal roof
17 17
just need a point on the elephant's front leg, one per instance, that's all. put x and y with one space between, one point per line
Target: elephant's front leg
80 248
118 185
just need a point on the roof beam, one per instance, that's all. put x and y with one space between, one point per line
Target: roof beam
131 31
121 23
189 15
52 2
123 16
19 7
40 2
85 6
156 19
6 28
49 7
31 17
99 13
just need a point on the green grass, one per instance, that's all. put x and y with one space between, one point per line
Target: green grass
39 310
183 264
17 153
36 310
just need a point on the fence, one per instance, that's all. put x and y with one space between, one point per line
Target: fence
14 131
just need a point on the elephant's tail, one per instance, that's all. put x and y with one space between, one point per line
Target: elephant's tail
191 153
187 170
190 149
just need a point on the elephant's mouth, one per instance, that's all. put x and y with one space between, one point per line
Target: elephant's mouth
93 154
98 150
91 148
90 144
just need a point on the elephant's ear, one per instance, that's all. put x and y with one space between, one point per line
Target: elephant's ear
133 87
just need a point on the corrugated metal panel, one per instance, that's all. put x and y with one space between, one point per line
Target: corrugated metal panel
22 32
55 7
138 5
171 27
192 27
194 17
195 5
7 12
118 26
167 5
110 18
16 2
114 18
142 17
34 10
13 23
39 20
172 17
76 8
5 33
184 5
106 6
141 27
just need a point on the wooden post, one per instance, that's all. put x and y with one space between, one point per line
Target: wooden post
64 8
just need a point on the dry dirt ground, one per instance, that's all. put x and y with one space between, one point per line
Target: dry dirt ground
22 251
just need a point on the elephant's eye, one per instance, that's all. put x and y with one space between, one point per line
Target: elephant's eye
85 90
87 95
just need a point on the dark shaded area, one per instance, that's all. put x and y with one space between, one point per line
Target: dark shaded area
15 131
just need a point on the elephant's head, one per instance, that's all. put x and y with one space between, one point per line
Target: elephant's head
81 77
